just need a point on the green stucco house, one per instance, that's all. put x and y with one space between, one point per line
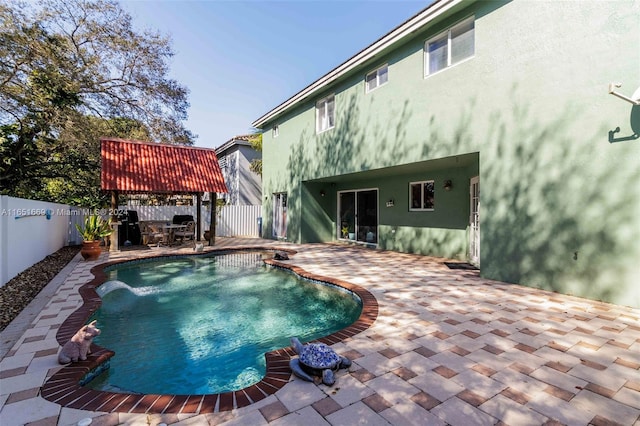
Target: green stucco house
478 130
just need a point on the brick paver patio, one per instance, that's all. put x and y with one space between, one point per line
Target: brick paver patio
448 347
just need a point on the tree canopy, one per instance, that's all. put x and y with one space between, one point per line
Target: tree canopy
71 72
256 143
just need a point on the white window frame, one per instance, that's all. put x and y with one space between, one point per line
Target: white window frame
275 131
422 184
377 78
447 33
323 121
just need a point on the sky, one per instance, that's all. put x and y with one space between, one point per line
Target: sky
240 59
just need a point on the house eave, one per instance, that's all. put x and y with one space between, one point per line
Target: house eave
433 11
237 140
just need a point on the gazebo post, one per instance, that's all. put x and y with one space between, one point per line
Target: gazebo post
198 208
213 199
114 222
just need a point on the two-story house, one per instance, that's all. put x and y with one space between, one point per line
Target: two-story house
477 130
235 157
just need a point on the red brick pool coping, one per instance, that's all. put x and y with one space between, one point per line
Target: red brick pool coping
64 386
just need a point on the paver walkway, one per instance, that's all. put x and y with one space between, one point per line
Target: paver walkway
448 347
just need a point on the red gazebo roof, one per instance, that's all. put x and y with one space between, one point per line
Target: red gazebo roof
138 167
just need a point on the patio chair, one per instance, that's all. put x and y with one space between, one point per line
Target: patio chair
189 232
151 234
144 232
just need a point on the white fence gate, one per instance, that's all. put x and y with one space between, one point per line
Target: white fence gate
235 221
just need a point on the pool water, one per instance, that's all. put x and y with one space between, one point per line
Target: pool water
201 325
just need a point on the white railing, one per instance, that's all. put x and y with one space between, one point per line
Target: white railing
31 230
233 221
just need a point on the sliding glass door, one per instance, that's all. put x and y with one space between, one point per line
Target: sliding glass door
358 215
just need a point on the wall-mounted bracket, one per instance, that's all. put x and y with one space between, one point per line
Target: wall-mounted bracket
634 99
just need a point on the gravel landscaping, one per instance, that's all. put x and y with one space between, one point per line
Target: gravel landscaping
16 294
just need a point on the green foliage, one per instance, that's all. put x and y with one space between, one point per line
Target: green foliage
95 228
256 143
70 73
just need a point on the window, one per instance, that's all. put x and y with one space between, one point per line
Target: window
449 48
325 114
275 131
377 78
421 196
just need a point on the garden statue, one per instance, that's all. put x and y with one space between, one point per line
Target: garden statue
79 346
281 255
316 359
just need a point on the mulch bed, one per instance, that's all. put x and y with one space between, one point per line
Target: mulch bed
16 294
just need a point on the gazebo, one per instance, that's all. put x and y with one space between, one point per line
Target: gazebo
137 167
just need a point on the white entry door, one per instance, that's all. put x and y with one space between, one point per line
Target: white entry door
474 221
280 215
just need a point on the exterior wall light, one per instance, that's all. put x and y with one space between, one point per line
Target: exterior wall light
322 193
448 185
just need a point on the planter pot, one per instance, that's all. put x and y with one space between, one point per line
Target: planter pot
90 250
352 235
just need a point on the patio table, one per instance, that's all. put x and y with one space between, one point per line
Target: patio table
151 230
171 232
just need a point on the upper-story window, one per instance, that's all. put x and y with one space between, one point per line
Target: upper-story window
275 131
450 47
325 114
377 78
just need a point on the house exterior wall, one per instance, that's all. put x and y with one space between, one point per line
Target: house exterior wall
231 173
244 186
250 183
529 114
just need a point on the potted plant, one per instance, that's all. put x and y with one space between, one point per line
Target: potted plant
95 228
347 231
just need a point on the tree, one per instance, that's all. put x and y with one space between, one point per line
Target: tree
70 72
256 143
81 186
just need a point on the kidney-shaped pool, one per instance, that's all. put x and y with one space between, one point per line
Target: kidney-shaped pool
202 324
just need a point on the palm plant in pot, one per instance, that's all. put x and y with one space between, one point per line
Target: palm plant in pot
95 228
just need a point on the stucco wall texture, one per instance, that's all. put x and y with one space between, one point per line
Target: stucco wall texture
529 114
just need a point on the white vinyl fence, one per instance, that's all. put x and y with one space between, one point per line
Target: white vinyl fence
232 221
238 221
31 230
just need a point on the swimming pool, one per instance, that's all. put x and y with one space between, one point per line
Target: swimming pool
214 340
